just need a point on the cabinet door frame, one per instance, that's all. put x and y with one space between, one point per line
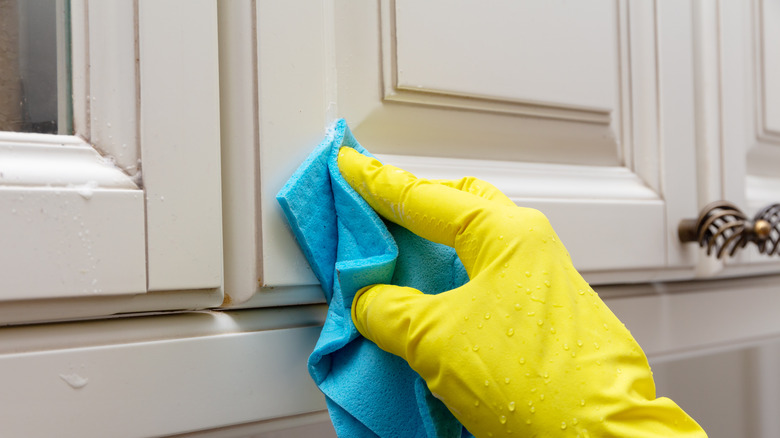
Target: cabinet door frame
131 202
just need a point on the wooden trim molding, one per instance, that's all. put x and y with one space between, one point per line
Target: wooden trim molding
57 161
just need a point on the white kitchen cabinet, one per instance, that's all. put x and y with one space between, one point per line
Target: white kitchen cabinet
595 126
634 118
124 215
630 121
615 118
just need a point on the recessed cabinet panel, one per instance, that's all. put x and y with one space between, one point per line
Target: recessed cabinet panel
556 54
461 80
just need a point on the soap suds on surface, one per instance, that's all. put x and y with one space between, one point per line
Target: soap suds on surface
74 380
87 190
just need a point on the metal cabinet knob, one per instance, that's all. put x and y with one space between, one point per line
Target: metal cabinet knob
722 226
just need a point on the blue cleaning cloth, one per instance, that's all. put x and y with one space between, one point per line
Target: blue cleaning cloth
369 392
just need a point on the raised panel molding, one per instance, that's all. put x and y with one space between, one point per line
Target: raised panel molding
437 98
382 82
74 222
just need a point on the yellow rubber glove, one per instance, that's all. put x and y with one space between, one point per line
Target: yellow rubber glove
525 348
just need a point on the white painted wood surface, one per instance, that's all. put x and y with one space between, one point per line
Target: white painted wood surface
686 119
159 387
243 132
535 52
731 392
179 116
677 133
435 97
72 223
769 58
739 157
573 197
405 120
41 160
93 234
713 347
300 426
111 75
240 149
292 77
129 371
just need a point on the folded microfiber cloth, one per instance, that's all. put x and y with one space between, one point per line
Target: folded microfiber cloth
369 392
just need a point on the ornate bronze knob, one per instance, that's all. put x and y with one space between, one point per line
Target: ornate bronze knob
721 227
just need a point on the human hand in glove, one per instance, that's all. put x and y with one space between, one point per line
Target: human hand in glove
526 347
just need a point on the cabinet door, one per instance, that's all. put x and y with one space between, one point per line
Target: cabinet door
739 95
130 203
582 110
